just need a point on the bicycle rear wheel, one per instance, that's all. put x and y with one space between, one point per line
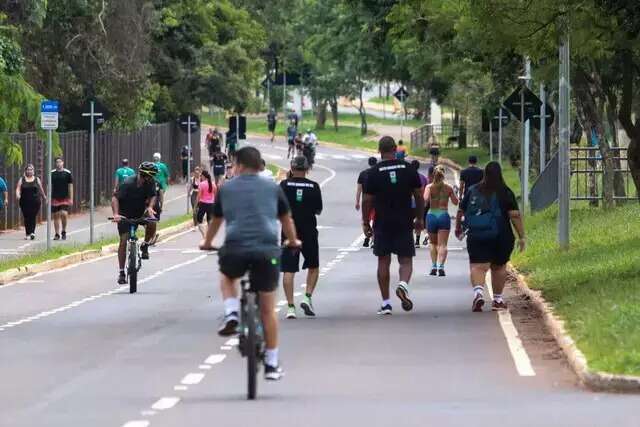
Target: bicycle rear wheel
251 345
132 268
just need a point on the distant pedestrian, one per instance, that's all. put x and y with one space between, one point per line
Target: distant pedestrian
4 194
232 145
423 184
470 176
162 178
218 165
489 211
401 151
184 159
292 131
122 173
206 198
194 188
434 152
362 178
272 121
293 118
61 198
437 195
29 193
389 187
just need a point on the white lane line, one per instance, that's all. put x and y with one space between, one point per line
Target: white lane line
359 156
205 367
321 156
304 285
137 423
518 352
180 388
165 403
331 176
192 378
339 157
232 342
214 359
271 156
148 413
225 347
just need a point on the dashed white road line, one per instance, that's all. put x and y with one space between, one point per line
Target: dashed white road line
165 403
192 378
137 423
214 359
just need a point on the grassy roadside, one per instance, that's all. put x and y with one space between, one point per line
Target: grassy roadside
60 251
594 286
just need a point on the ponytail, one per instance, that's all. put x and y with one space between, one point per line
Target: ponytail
207 175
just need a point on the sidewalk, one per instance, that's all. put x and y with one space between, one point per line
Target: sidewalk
12 243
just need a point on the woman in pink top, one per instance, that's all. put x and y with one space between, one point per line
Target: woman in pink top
206 199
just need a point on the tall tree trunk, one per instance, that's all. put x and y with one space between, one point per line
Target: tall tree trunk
587 94
333 103
625 115
321 114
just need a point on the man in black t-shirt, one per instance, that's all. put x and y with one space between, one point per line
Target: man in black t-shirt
61 198
135 198
305 199
218 165
271 123
359 188
470 176
389 189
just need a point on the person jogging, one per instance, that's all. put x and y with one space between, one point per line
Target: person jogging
389 187
162 181
437 195
423 183
362 178
206 199
218 164
292 131
490 214
135 198
193 188
122 173
61 198
469 177
305 199
29 194
251 208
272 120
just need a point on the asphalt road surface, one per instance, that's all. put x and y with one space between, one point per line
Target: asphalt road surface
75 350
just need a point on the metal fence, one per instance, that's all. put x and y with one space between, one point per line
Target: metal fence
111 147
587 173
447 135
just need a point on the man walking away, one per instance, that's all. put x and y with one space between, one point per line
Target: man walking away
423 182
389 187
61 198
184 158
470 176
359 187
305 199
122 173
271 123
292 131
218 163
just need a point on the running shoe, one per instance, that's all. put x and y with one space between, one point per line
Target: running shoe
63 235
434 272
307 307
291 313
32 236
56 237
273 373
122 279
417 242
441 272
478 303
498 305
229 325
403 293
425 242
144 250
366 242
385 310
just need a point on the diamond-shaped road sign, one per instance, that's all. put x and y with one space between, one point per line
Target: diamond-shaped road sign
532 105
401 94
189 119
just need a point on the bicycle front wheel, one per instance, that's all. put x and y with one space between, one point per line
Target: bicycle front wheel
132 268
251 345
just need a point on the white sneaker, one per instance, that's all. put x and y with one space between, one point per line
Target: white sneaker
291 313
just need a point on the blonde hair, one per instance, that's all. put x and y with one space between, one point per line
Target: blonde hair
438 174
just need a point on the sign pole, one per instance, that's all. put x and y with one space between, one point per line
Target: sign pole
543 128
92 147
49 168
491 139
284 101
402 117
188 160
500 136
564 173
522 136
527 144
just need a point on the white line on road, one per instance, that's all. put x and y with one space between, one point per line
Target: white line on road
137 423
205 367
165 403
180 388
192 378
232 342
214 359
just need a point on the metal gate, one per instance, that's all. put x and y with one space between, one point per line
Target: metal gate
587 173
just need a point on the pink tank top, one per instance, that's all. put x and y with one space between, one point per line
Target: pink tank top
207 196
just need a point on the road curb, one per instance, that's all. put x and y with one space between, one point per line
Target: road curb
77 257
597 381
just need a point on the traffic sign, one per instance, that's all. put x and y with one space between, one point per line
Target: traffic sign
49 115
532 103
100 112
189 118
401 94
550 117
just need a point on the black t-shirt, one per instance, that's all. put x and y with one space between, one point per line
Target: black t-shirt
271 119
392 182
362 178
219 161
508 202
471 176
305 200
60 181
133 198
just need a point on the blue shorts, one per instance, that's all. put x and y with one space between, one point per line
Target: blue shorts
437 222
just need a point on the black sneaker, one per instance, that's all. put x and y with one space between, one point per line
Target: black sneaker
273 373
425 242
56 237
441 272
63 235
403 293
32 236
122 278
144 249
385 310
366 242
229 325
434 272
418 242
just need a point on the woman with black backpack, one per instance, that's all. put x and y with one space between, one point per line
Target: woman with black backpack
488 213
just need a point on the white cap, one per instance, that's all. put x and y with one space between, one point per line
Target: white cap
156 156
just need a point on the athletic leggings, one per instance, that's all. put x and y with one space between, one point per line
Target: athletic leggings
30 210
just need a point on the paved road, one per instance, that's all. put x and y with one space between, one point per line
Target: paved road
76 351
12 243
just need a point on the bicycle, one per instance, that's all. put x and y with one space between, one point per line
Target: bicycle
134 256
251 335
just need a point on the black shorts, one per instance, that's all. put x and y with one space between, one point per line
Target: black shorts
59 208
204 209
264 270
398 242
272 127
123 229
310 251
496 251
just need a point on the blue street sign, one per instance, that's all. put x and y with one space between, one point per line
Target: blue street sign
49 107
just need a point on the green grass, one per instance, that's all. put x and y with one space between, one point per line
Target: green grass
382 99
60 251
595 285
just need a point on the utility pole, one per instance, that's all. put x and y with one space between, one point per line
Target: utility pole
500 135
491 138
543 128
92 168
49 168
564 175
524 152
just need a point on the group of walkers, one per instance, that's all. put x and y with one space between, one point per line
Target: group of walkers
397 203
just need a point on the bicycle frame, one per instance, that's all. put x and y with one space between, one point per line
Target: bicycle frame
251 338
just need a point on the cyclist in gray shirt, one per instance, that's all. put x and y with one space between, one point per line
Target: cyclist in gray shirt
251 207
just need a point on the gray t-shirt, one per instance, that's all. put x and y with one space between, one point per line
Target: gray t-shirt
251 206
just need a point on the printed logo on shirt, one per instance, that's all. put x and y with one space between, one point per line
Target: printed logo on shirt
299 184
393 177
392 167
299 195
